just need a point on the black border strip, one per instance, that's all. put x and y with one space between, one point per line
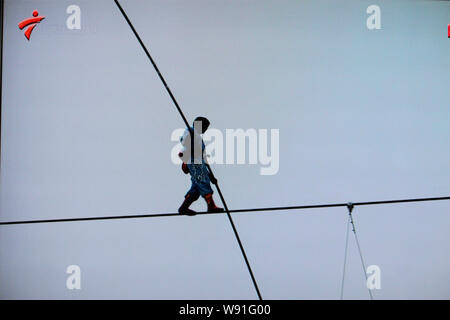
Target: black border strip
2 9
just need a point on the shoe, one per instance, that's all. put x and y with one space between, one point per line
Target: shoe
184 209
211 205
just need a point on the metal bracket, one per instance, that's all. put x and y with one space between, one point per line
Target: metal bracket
350 207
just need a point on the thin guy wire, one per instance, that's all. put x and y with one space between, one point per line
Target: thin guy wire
345 257
359 250
187 125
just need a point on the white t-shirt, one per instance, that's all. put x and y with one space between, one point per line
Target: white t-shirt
199 147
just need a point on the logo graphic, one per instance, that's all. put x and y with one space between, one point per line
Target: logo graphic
31 22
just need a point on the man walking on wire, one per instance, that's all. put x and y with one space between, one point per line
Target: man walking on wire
194 163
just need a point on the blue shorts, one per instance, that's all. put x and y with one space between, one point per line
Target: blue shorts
201 184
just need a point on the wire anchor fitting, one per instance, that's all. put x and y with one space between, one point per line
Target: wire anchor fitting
350 207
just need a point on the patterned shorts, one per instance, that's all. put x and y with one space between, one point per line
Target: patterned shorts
201 184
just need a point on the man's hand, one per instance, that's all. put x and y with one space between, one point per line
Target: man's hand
213 179
184 168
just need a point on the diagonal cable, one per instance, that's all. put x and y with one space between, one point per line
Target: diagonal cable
188 126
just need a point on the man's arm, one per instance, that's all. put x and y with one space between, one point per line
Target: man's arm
211 175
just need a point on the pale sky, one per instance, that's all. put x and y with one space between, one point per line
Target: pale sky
362 115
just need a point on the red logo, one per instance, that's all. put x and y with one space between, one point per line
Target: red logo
31 22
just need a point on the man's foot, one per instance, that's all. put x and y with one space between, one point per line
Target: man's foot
212 208
215 210
188 200
188 212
